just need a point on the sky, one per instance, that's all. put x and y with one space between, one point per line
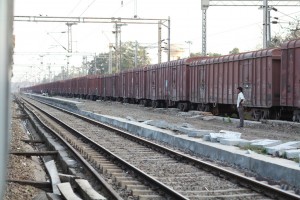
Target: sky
227 28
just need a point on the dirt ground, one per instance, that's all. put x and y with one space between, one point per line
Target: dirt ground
20 167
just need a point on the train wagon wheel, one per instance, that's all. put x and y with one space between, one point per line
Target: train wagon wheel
215 110
256 115
265 114
206 108
278 116
154 104
163 104
185 107
296 116
146 103
200 107
180 106
275 115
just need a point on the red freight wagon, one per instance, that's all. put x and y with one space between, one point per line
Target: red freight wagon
67 87
133 85
92 85
50 87
109 86
127 86
168 83
213 82
290 78
55 88
102 91
74 87
162 83
139 84
116 86
45 87
60 87
105 92
82 86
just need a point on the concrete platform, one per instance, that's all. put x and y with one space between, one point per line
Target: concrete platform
67 104
263 165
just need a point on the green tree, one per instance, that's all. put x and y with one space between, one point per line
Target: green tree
214 54
127 59
195 54
101 66
128 55
208 54
234 51
292 32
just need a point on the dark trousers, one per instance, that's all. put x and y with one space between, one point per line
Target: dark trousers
241 115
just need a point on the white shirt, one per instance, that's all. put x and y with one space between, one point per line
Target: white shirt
240 98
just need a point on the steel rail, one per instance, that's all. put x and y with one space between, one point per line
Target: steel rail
110 190
169 191
243 180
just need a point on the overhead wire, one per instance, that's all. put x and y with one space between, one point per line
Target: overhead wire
87 8
74 8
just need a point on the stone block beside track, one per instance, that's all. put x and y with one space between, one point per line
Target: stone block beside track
279 149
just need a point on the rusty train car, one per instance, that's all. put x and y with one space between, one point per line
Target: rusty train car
213 82
270 78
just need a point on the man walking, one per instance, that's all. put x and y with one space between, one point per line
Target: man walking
240 108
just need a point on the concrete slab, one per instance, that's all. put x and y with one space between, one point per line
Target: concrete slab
216 137
67 191
232 141
53 173
51 196
199 133
281 147
292 154
237 121
266 143
232 133
206 137
86 190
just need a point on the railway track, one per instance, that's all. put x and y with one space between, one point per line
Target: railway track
147 170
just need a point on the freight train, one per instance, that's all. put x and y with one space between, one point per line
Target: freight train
270 78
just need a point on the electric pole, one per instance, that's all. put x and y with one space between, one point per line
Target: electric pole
70 24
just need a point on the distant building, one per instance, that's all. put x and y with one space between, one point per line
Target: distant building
177 51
